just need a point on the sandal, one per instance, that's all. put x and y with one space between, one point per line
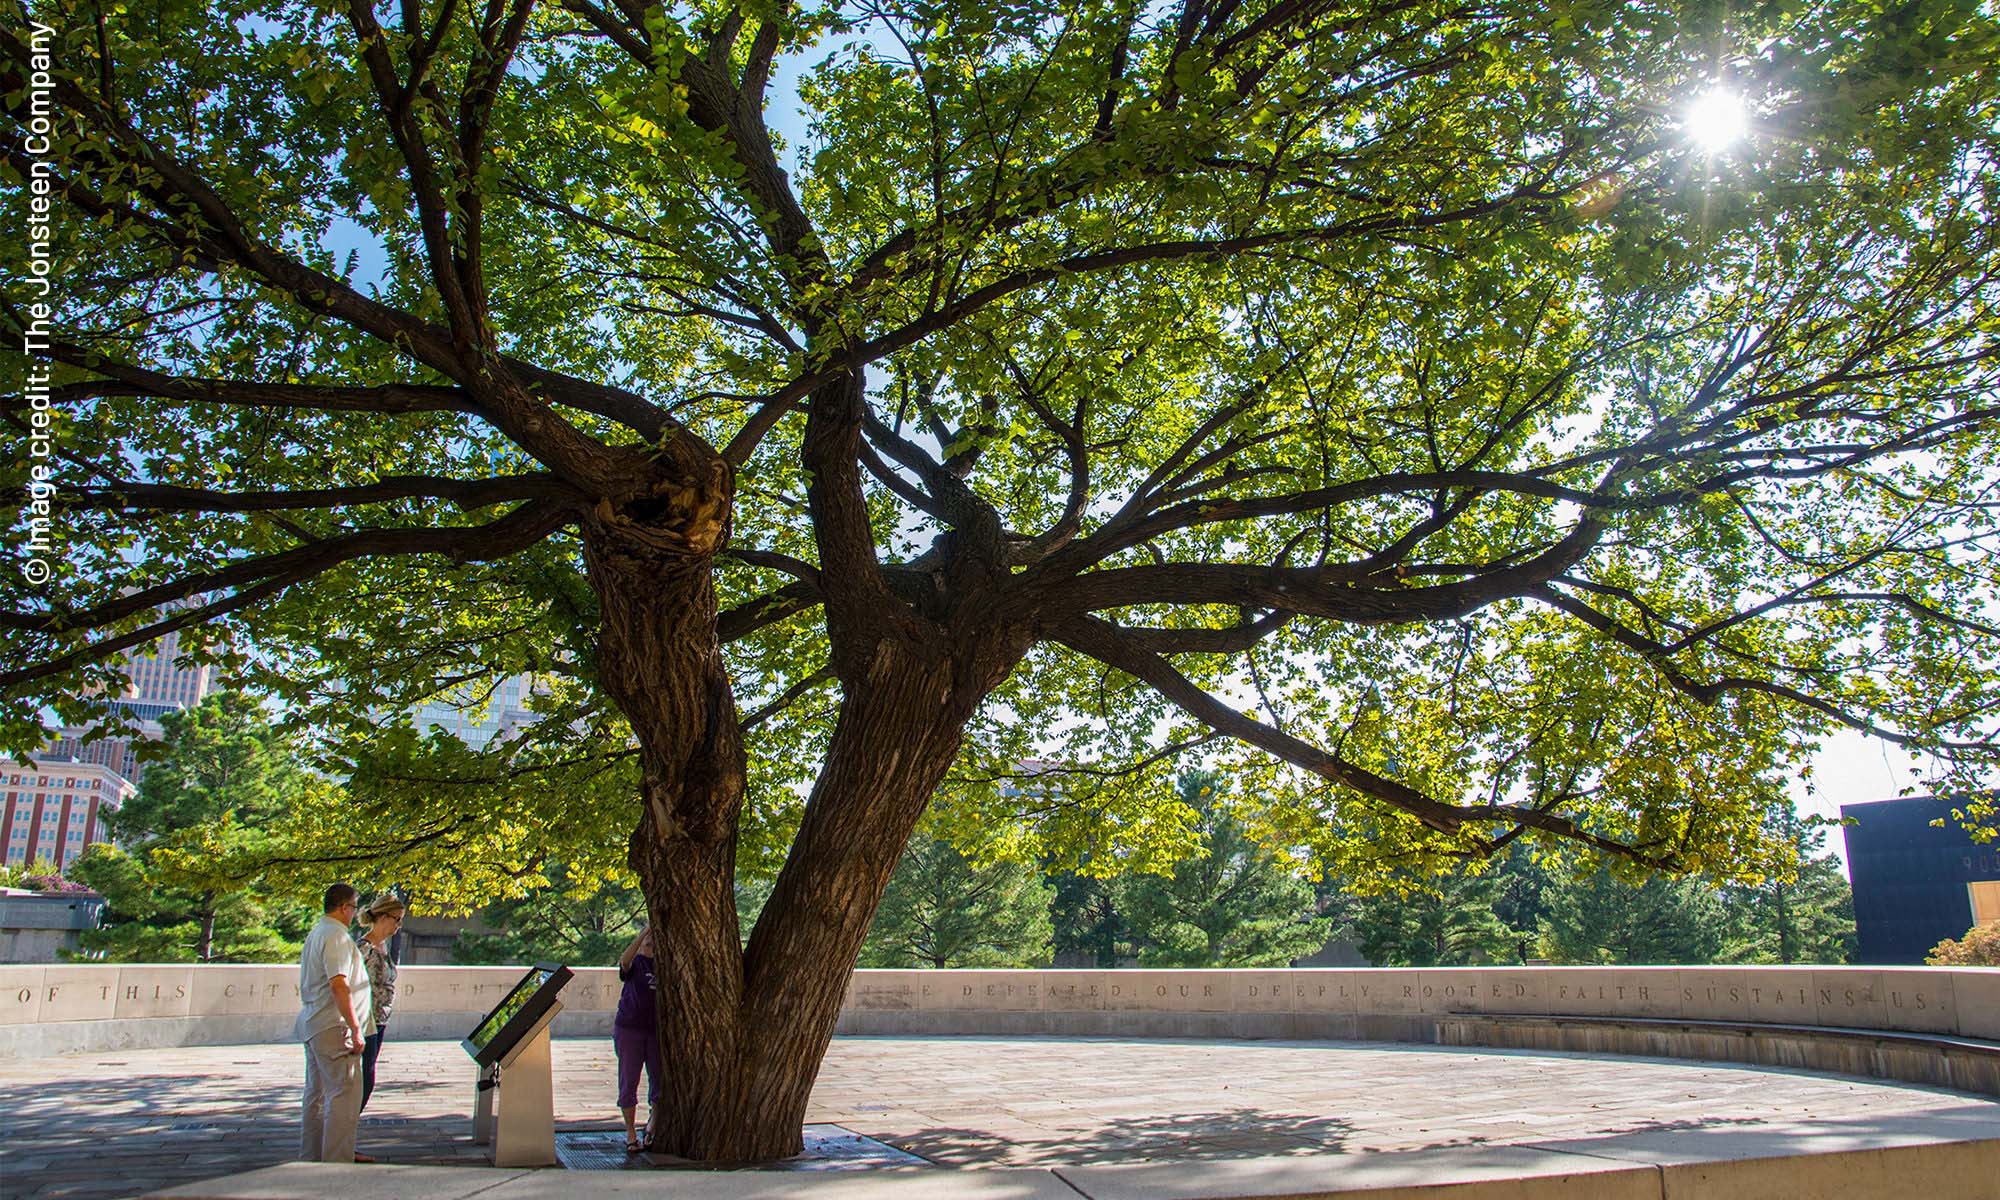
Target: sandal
631 1145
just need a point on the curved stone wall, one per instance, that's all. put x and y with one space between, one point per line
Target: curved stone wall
59 1009
1405 1005
55 1009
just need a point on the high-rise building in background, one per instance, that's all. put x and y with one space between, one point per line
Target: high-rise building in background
155 687
155 678
476 717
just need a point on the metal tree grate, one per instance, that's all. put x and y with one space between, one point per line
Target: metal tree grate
827 1148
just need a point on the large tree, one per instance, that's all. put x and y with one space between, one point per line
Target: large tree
1396 400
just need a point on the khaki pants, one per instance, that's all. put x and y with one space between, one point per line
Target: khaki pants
333 1098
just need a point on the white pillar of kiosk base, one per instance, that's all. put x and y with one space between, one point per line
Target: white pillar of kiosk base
515 1106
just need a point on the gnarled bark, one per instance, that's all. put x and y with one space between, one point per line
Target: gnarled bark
891 745
744 1030
659 659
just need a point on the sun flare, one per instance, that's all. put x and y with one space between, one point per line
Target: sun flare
1717 120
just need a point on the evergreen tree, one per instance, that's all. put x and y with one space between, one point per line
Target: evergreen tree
1447 921
1087 923
1234 903
149 920
1521 904
222 773
942 911
1802 912
1600 918
221 759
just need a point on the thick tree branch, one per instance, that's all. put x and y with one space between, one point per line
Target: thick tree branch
509 534
1234 639
465 310
748 617
860 607
130 496
951 498
1103 642
1354 593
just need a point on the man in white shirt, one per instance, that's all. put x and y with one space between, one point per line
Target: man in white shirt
334 1020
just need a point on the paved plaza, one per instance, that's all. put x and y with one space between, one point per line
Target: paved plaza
122 1123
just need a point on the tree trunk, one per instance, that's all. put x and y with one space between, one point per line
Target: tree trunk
743 1030
204 946
659 659
891 746
1785 951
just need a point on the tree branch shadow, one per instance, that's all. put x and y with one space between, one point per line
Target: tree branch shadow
1220 1134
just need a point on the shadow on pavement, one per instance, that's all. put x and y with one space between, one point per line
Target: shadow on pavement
104 1132
1230 1133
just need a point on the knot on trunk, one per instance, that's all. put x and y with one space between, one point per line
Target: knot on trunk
684 513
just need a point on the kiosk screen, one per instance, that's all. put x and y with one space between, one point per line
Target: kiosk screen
511 1019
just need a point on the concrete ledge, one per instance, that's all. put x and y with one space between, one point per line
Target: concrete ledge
1469 1173
1934 1060
158 1033
1938 1170
1345 1027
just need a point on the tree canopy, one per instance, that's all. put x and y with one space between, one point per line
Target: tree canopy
1394 404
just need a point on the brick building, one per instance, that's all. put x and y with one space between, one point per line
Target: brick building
53 808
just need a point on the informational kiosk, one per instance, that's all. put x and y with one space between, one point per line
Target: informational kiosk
514 1109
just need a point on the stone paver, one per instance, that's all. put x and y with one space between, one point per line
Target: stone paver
117 1124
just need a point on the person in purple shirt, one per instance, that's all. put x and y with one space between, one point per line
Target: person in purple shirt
635 1034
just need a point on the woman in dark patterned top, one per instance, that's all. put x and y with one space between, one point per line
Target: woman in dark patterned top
384 917
635 1034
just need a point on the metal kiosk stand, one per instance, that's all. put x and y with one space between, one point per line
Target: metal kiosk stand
511 1044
